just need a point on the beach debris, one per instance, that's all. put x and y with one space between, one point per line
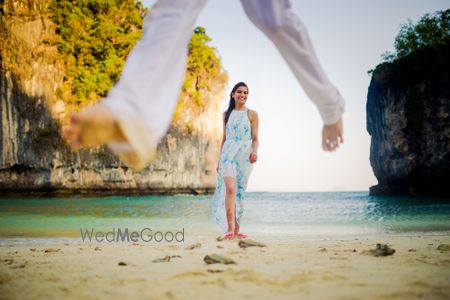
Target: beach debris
215 271
380 250
323 250
21 266
220 238
412 250
121 263
218 259
219 246
49 250
354 250
194 246
33 249
444 247
8 261
97 248
13 252
250 243
166 258
342 258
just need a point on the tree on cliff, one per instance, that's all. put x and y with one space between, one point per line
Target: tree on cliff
432 30
95 36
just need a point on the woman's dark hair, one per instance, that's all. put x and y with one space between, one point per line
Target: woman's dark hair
232 104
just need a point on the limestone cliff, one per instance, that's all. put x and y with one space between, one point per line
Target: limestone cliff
408 109
35 160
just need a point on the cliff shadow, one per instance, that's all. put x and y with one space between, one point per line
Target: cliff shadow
29 138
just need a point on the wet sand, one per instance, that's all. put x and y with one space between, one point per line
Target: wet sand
306 269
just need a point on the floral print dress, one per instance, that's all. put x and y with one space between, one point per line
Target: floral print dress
234 162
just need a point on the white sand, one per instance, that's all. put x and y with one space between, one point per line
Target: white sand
290 270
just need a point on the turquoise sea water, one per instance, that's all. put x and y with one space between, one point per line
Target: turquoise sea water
278 215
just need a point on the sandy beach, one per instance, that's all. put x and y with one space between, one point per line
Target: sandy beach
308 269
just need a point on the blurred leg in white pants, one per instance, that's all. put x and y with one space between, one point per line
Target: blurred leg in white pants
144 98
277 20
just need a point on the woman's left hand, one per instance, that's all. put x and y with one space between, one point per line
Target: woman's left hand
253 158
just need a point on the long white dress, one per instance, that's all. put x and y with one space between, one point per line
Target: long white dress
234 162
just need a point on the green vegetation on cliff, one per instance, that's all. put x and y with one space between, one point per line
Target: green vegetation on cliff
203 69
94 37
432 30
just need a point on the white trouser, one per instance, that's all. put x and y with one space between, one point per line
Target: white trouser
144 98
277 20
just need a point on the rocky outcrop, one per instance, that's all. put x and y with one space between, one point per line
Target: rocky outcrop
35 160
408 107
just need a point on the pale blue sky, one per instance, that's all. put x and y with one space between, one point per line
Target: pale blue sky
349 36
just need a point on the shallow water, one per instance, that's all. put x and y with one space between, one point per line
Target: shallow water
279 215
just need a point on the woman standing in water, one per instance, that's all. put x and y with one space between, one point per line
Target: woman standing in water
238 153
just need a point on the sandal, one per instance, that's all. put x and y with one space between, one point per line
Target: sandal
241 236
229 235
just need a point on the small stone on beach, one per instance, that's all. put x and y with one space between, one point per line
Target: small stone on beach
218 259
121 263
380 250
215 271
444 247
97 248
21 266
250 243
194 246
167 258
164 259
48 250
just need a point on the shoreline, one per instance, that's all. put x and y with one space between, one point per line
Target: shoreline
311 269
102 192
72 240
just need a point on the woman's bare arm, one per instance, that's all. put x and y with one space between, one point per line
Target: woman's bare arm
223 140
224 135
254 121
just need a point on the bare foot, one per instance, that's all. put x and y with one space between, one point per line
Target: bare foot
94 126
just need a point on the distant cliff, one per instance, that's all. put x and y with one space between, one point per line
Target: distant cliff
408 119
35 100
